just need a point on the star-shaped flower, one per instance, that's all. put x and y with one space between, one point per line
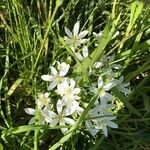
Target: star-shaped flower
61 118
99 118
68 90
75 38
104 95
43 101
56 77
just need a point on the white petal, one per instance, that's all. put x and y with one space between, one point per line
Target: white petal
64 70
98 65
64 130
53 71
78 55
59 106
54 122
72 83
90 127
76 28
69 109
47 77
110 85
82 41
69 121
68 32
46 94
100 82
112 124
48 113
105 97
61 87
85 52
83 34
30 111
62 123
32 121
104 128
52 85
76 90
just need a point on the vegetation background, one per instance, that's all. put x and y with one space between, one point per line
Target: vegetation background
30 41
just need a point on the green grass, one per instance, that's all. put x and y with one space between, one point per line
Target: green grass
31 40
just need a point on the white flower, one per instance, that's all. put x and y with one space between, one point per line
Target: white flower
104 95
123 87
41 116
75 38
70 106
103 122
43 101
67 90
61 118
100 118
56 77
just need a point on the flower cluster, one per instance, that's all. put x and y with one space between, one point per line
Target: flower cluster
70 95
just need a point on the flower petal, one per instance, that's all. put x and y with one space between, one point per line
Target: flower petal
32 121
59 106
85 51
78 55
68 32
110 85
90 127
53 71
82 41
112 124
69 121
76 91
104 128
100 82
83 34
72 83
52 85
76 28
64 69
30 111
54 122
47 77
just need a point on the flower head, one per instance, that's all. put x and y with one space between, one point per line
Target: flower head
67 90
75 38
61 118
100 118
57 76
43 101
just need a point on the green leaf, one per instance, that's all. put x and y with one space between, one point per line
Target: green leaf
14 86
1 147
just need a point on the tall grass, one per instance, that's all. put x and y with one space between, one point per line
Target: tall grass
31 39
